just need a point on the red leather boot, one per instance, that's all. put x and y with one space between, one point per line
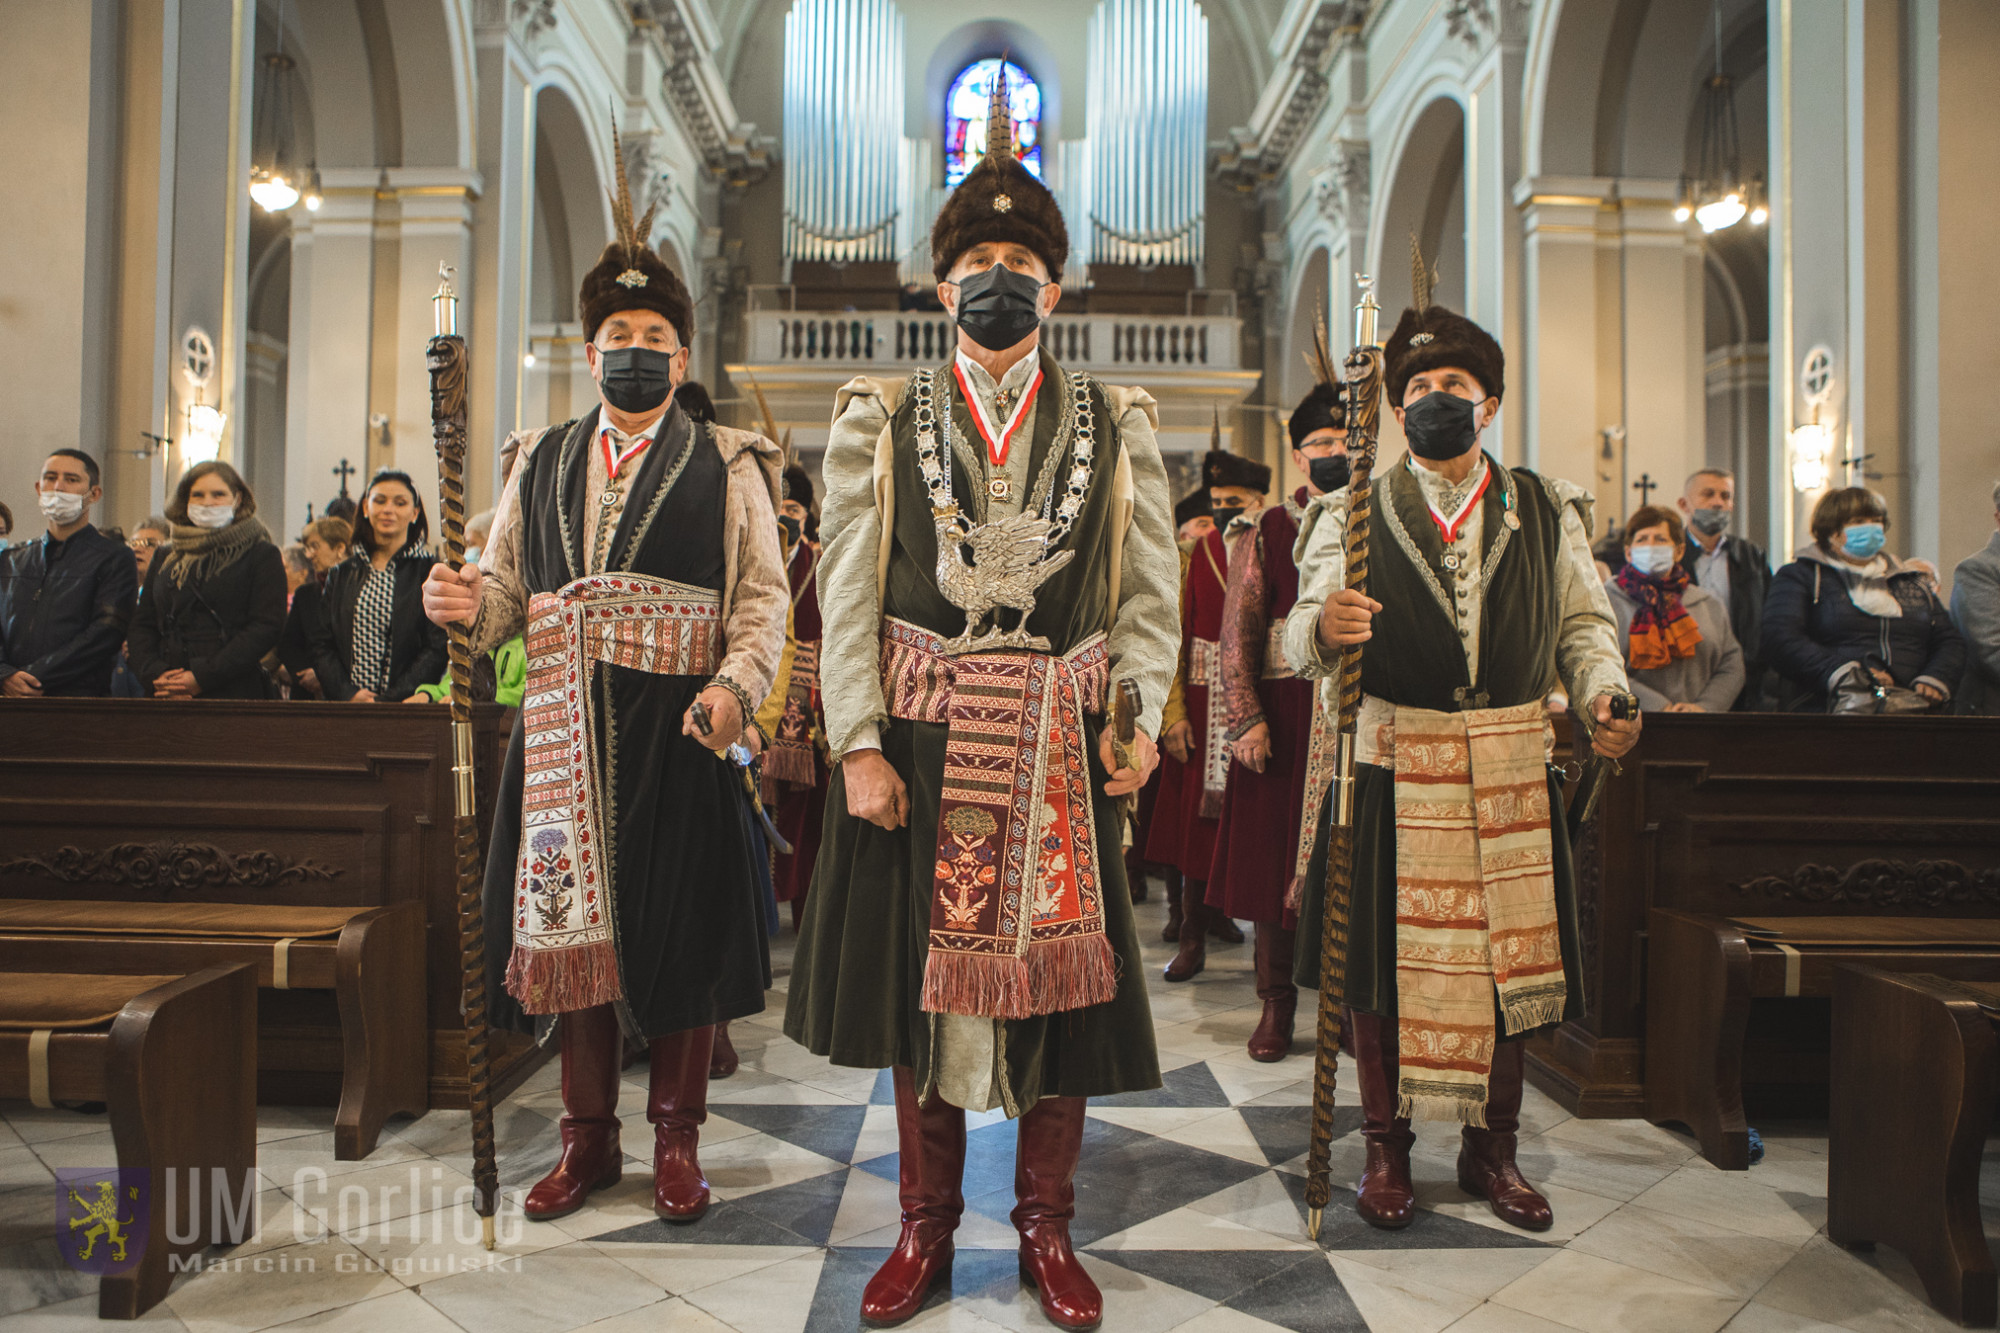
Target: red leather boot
930 1142
1172 933
590 1159
722 1061
1051 1137
1272 1040
677 1104
1221 926
1486 1168
1193 955
1385 1197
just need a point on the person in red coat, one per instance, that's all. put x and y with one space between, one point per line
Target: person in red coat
1270 713
1191 791
794 726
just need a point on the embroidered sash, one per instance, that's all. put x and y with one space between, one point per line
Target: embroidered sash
789 758
1017 911
1322 756
565 956
1205 669
1475 893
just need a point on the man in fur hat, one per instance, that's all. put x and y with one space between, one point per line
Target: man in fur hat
638 549
1269 712
1481 597
792 719
999 557
1182 836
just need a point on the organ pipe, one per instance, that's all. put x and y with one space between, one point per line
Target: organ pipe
1147 128
843 135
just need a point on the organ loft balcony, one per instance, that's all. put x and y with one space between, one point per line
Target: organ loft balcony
801 341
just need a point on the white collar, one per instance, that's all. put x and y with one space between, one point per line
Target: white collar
645 432
1015 378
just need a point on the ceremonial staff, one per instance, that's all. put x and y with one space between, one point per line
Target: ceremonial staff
445 356
1363 374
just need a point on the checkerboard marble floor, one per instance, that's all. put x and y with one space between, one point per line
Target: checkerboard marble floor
1189 1216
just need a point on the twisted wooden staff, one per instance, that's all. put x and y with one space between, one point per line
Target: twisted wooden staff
445 356
1363 373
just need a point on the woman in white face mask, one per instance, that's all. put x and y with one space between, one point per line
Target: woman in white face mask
1680 652
214 601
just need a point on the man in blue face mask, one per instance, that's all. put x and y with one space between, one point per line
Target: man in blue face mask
999 558
637 549
1482 596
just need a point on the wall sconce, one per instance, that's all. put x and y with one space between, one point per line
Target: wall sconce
1812 456
203 440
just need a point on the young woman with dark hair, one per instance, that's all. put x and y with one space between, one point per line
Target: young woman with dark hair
372 642
214 600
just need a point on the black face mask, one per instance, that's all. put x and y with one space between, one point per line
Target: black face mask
793 527
998 308
1440 426
1328 474
636 379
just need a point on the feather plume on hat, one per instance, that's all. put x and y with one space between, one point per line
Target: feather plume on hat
1000 199
1428 337
630 275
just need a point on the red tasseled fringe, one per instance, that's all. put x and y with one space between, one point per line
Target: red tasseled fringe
790 763
1056 976
555 981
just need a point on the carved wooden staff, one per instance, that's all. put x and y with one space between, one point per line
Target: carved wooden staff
445 356
1363 374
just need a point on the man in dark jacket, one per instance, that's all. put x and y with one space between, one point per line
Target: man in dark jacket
1730 568
1975 605
65 599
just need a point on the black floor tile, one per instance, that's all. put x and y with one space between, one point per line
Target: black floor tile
1283 1132
1190 1085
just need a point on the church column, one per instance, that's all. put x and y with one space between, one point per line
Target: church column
331 337
1665 366
1493 239
495 323
1566 370
1955 193
434 226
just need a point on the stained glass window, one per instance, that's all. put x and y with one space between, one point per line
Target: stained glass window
965 117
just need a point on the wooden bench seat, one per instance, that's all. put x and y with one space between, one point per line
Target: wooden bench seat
1703 971
371 958
175 1061
1916 1064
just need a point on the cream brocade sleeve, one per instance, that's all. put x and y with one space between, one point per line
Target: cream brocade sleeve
756 595
1145 638
850 604
1321 553
503 601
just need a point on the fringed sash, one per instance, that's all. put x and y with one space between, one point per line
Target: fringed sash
1322 756
1017 912
1475 893
1205 669
565 956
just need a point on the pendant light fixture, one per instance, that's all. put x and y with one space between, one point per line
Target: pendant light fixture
1719 196
275 177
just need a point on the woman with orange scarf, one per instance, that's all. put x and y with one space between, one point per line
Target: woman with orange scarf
1680 653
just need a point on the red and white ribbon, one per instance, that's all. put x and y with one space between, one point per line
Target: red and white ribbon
997 438
1451 526
614 460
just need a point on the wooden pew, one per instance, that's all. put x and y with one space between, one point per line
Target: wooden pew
1705 971
175 1061
1916 1064
308 804
1768 815
371 958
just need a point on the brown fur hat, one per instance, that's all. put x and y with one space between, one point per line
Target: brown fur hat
1219 467
630 275
1000 200
1429 336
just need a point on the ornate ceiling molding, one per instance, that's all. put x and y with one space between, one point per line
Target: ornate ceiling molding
1256 153
732 150
1342 192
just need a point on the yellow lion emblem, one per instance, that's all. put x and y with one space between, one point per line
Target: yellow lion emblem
100 1221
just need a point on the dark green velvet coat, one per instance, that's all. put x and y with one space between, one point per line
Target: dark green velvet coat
858 973
1414 659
